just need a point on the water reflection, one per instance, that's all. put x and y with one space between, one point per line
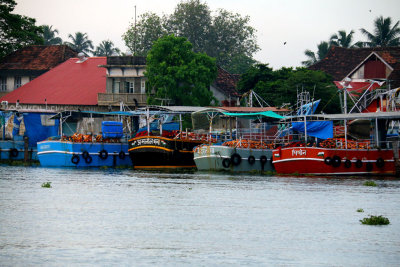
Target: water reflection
123 217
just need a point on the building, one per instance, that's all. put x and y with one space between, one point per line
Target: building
125 82
224 88
362 64
72 85
25 64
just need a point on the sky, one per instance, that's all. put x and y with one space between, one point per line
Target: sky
301 24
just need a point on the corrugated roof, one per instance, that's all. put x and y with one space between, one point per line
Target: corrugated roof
70 83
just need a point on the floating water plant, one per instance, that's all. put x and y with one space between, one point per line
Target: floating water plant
369 183
360 210
375 220
46 185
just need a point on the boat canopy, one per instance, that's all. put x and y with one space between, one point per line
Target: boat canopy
319 129
255 115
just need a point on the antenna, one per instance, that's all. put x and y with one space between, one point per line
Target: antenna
134 41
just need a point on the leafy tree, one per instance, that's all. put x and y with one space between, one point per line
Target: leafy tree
80 43
175 72
323 48
191 19
49 36
106 48
343 39
16 31
149 28
280 86
226 36
384 34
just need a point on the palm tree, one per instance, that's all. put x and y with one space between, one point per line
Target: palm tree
323 48
343 39
49 35
106 48
384 34
80 42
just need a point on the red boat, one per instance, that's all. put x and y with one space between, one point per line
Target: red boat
334 161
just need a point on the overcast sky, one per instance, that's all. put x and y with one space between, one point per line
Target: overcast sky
302 24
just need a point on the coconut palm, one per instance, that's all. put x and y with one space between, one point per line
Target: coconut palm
384 34
49 35
343 39
323 48
80 43
106 48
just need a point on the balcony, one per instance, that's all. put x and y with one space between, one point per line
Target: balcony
129 99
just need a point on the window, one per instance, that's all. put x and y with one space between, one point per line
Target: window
143 86
17 82
3 83
115 88
129 87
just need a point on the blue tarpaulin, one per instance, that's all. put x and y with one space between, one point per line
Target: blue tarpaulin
319 129
38 127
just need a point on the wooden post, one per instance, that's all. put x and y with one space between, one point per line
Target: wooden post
26 149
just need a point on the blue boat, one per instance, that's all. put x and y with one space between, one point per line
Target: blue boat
60 153
20 144
105 146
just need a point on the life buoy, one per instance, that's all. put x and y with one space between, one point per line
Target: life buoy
226 162
380 163
121 155
359 163
236 159
251 160
85 154
13 153
103 154
336 161
263 159
328 161
88 159
347 163
369 166
75 159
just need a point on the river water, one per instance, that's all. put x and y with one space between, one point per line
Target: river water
128 218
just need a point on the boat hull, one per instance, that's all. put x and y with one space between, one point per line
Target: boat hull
15 150
154 152
326 161
74 154
217 157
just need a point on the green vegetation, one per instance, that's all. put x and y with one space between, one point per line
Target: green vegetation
360 210
226 36
369 183
375 220
383 35
281 86
46 185
175 73
16 31
80 42
105 49
49 36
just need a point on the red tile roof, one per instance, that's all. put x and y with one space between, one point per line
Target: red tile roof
37 57
70 83
340 61
226 82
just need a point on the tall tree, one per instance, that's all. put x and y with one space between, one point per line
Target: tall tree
191 19
226 36
384 34
343 39
80 42
323 48
49 35
177 73
140 39
16 31
106 48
